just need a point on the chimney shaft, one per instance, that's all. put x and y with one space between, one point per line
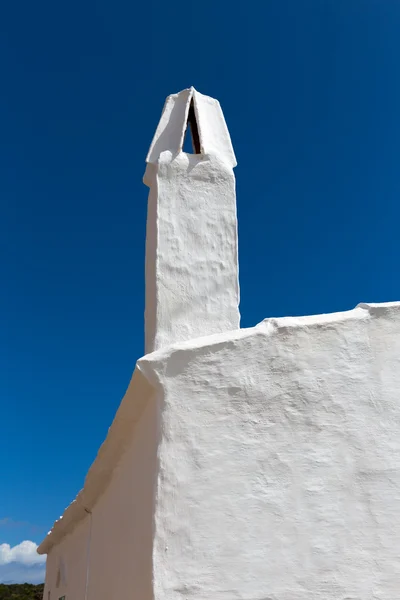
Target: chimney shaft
191 247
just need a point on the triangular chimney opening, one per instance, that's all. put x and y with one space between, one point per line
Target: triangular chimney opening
192 145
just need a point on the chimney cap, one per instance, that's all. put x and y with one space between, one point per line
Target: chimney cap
213 133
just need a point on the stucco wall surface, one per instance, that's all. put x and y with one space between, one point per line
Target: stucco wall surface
104 539
108 554
67 563
214 136
280 461
192 284
122 521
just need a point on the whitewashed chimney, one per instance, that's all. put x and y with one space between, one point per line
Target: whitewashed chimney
191 248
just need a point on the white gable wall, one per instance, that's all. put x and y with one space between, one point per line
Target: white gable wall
280 461
72 552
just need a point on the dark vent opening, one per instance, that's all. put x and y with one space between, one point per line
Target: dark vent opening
194 133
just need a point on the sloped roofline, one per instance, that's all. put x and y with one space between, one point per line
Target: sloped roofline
145 380
152 365
99 475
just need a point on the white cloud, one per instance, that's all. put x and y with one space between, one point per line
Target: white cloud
21 563
24 553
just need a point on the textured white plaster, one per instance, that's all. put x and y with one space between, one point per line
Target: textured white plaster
191 250
67 564
191 279
112 556
191 247
279 461
256 464
170 133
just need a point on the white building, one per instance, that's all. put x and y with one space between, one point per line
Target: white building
242 464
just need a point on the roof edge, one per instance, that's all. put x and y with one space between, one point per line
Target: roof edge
109 454
269 326
146 379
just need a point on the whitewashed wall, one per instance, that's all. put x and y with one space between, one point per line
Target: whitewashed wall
191 289
192 286
111 548
280 461
70 557
121 545
266 466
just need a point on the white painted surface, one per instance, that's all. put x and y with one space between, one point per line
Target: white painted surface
191 250
280 461
170 133
258 464
67 564
122 536
114 558
190 176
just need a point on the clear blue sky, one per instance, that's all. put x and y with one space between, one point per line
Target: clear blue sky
311 94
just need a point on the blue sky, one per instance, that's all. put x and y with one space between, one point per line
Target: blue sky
311 95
